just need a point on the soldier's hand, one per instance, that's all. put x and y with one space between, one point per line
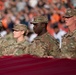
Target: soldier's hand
49 56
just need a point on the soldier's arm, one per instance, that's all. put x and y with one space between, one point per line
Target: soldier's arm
1 51
18 52
54 49
39 49
54 53
35 50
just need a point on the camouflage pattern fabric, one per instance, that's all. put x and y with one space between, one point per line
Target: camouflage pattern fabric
9 45
69 45
44 46
69 12
6 41
13 48
20 27
40 19
9 36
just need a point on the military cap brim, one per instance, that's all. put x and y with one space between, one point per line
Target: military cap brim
37 22
16 29
33 22
67 16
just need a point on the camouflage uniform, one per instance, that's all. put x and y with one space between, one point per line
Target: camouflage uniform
69 45
6 41
12 47
44 45
9 36
68 48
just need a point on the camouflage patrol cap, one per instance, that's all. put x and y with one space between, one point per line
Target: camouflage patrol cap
74 12
69 13
20 27
40 19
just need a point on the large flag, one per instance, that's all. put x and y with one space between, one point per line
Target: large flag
28 65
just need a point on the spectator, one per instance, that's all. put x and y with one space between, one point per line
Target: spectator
58 34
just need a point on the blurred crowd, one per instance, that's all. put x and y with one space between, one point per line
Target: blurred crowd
23 11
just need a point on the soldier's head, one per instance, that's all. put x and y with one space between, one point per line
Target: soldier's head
70 16
19 30
56 28
70 19
40 23
69 13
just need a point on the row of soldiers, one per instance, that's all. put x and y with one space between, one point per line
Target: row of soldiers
44 45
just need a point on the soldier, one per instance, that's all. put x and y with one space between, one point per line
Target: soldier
69 40
18 44
44 45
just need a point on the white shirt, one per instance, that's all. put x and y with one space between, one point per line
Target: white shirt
32 37
3 33
59 36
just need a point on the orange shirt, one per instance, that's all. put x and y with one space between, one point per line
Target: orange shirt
49 29
1 5
55 18
4 23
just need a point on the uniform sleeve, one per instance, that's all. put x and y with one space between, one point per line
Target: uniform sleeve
53 48
69 47
1 51
37 49
18 52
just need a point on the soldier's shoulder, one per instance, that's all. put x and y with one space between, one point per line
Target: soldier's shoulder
65 35
25 41
9 36
47 37
74 32
5 42
51 39
36 43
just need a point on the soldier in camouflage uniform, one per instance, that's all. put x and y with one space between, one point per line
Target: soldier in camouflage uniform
69 40
18 44
44 45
